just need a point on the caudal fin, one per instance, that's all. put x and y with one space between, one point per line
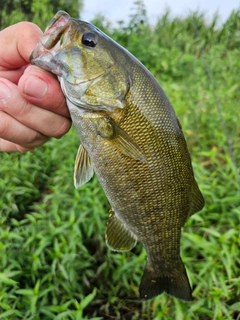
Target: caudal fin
176 284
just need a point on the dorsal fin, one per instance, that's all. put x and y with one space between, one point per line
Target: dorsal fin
198 201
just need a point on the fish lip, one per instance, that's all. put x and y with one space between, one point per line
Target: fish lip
40 60
38 52
52 37
60 19
47 47
58 25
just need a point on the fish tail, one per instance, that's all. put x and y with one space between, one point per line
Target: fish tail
156 282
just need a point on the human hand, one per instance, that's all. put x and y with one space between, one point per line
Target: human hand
32 105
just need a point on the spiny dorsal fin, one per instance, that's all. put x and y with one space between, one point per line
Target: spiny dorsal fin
118 237
83 169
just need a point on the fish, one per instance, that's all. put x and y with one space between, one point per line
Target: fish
130 137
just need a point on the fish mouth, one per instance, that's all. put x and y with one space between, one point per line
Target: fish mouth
50 38
58 25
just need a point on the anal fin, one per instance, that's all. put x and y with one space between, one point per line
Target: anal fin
118 237
83 169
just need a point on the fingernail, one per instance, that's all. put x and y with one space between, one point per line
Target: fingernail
5 92
35 87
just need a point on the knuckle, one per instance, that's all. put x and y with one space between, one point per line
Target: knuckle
35 139
57 105
62 106
23 149
31 138
63 128
28 29
4 124
22 108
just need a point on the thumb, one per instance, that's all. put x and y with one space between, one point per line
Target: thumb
17 43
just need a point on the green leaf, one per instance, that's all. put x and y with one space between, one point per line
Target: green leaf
25 292
87 300
5 279
235 306
5 315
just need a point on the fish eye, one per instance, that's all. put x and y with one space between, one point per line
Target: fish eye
89 39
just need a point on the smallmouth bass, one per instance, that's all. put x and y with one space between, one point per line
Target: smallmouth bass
131 138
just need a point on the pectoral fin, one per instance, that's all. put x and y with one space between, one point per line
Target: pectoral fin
83 170
118 237
118 138
126 145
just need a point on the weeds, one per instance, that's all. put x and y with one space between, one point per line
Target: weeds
53 257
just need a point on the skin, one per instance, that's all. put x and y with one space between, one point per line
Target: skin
32 106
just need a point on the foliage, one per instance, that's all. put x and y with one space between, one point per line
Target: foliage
54 263
40 12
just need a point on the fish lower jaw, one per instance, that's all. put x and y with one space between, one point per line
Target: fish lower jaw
45 63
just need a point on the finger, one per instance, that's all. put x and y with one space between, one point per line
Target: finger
41 120
8 146
13 132
17 43
12 75
43 89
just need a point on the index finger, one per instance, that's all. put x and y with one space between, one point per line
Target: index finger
17 43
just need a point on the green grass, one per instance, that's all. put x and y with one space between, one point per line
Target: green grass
54 263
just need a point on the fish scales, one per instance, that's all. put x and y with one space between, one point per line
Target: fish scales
131 138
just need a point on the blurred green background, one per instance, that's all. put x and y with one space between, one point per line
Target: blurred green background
54 263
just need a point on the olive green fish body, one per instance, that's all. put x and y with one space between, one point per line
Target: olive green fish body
153 198
131 138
